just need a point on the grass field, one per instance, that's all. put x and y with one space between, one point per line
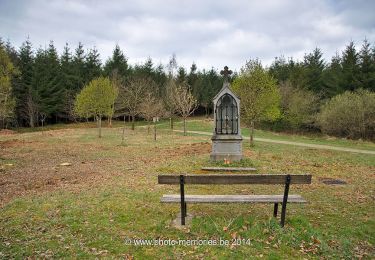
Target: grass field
109 193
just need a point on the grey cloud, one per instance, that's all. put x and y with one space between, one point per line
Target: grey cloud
211 33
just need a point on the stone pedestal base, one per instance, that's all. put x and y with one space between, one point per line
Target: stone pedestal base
226 146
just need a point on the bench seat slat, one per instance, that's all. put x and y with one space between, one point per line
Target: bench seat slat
175 198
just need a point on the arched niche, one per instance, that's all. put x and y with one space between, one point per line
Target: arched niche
226 111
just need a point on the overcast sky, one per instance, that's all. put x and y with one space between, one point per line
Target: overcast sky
210 33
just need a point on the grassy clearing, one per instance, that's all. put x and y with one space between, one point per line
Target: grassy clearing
110 193
207 126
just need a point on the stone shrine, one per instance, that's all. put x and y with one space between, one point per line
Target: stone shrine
226 139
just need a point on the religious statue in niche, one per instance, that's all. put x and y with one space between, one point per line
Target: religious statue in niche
226 139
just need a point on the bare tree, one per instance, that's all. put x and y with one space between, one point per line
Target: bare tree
31 110
185 102
170 100
116 83
43 117
132 94
172 65
151 108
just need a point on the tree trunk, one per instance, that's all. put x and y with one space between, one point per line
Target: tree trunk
252 133
133 126
110 121
123 131
148 127
100 126
31 121
184 126
155 131
171 122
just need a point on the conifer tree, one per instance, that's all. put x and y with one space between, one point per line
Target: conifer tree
22 91
333 76
118 62
160 79
51 94
350 67
314 66
366 67
181 76
79 67
68 76
92 65
39 79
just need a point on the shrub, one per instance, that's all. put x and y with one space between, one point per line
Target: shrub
299 106
351 114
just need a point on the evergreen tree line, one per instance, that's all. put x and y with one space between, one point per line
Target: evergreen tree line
349 71
312 89
45 84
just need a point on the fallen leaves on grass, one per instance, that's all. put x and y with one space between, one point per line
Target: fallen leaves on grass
310 247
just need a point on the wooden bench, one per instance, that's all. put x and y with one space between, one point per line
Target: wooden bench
224 179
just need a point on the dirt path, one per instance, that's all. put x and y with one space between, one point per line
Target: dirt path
316 146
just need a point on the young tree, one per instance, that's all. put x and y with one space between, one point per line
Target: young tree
96 99
185 102
299 106
259 95
7 102
132 94
151 108
170 100
116 83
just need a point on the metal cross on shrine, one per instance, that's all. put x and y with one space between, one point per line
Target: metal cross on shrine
226 73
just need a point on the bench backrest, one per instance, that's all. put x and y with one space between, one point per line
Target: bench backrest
235 179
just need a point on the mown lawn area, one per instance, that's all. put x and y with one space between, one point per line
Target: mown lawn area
108 192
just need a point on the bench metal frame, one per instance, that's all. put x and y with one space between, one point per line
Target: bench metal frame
236 179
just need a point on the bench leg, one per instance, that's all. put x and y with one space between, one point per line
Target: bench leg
275 209
285 200
183 215
183 203
283 213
